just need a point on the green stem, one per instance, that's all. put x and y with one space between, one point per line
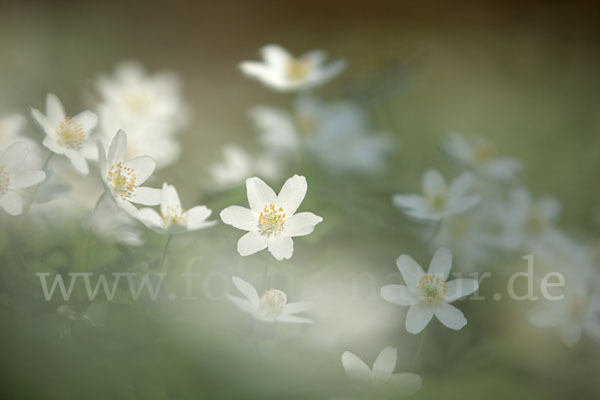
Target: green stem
164 253
434 232
30 202
418 353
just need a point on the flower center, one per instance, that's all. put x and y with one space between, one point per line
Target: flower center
272 303
173 216
4 180
138 102
431 289
70 134
298 69
579 307
483 152
271 220
436 201
535 222
121 180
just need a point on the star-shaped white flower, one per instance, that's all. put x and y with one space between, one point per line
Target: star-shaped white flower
13 178
123 179
271 306
382 373
271 220
428 294
66 135
438 200
281 71
173 218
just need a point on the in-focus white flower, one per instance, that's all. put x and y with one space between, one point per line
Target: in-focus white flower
66 135
439 200
382 372
479 155
110 224
271 306
173 218
238 165
428 294
281 71
271 221
13 177
123 179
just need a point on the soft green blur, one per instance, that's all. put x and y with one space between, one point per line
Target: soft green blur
525 80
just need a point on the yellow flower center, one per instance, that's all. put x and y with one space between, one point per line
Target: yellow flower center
298 69
121 180
138 102
271 220
535 222
431 289
483 152
70 134
4 180
174 216
436 201
272 303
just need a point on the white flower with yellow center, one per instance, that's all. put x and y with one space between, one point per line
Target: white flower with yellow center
123 179
13 178
271 221
66 135
382 374
480 155
281 71
439 200
173 218
428 294
271 306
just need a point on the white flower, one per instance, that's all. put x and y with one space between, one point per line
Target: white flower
479 155
238 165
173 218
281 71
428 294
382 372
123 179
66 135
110 224
11 126
438 200
13 178
271 220
271 306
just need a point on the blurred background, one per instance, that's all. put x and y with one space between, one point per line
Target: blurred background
523 76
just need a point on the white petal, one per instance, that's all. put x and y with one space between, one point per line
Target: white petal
243 304
459 288
406 383
145 196
246 289
142 167
118 146
78 162
411 201
298 307
239 217
570 333
259 194
11 202
461 185
418 317
275 55
26 179
292 193
169 199
385 363
295 319
398 294
52 145
149 217
101 159
251 243
197 218
355 368
87 119
55 111
441 263
410 270
301 224
450 316
433 182
281 247
13 156
542 317
43 122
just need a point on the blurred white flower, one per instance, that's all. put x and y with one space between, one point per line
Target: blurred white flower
438 200
66 135
271 220
11 127
122 179
148 107
110 224
13 177
271 306
382 372
479 155
335 133
173 218
238 165
281 71
428 294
